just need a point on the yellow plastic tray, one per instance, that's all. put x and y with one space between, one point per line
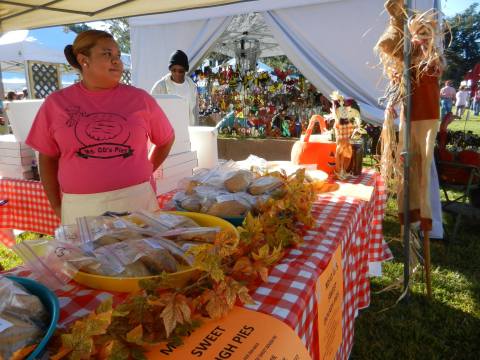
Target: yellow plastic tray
177 279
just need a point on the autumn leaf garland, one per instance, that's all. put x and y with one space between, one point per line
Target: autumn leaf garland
229 266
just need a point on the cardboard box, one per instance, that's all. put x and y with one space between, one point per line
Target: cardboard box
10 147
179 147
15 160
180 158
177 164
18 153
174 171
168 184
26 174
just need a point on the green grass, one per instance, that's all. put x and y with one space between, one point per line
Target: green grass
8 258
472 124
446 327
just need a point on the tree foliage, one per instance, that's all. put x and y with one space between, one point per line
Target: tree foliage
464 51
119 28
280 62
77 28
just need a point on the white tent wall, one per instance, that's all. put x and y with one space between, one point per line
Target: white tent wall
331 42
151 46
333 47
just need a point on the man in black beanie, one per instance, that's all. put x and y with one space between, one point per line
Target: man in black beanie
176 83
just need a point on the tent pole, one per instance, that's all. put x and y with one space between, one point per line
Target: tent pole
28 79
405 151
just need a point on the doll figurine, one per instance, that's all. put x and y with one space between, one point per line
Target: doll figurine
343 112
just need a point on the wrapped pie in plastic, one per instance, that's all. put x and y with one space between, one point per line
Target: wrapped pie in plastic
264 184
160 222
23 318
191 204
104 230
201 234
229 208
238 181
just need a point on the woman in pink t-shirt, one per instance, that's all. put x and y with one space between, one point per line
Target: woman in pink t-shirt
93 137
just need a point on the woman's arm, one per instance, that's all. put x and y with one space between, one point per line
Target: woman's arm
159 153
49 177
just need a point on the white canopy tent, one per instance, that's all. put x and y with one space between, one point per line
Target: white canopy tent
330 41
16 47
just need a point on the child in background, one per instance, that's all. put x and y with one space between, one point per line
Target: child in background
461 100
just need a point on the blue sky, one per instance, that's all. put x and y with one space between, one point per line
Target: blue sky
453 7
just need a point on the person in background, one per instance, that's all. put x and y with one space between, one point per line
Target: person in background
93 136
25 93
176 83
5 123
461 100
11 96
447 97
476 101
279 117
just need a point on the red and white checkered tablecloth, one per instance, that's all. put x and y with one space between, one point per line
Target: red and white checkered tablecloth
289 294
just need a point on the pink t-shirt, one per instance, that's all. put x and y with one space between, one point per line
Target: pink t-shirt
100 137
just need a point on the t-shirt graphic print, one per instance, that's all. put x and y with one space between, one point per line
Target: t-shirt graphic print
100 135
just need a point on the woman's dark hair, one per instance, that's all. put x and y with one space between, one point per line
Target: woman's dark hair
83 43
11 96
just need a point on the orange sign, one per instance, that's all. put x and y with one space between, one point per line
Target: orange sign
329 292
243 334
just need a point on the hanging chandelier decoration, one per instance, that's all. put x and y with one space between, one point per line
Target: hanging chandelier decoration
247 51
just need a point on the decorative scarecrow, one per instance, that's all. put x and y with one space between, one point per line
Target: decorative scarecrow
426 67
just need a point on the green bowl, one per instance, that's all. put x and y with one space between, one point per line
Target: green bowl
50 301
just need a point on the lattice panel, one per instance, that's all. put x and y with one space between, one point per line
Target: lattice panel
126 77
44 79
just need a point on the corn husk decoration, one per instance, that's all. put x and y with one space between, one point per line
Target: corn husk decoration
426 55
388 143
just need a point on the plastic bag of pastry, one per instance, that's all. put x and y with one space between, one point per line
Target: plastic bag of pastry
53 262
143 257
163 221
212 177
119 260
192 203
175 250
104 230
68 234
254 163
201 234
264 184
23 318
238 181
15 299
229 208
